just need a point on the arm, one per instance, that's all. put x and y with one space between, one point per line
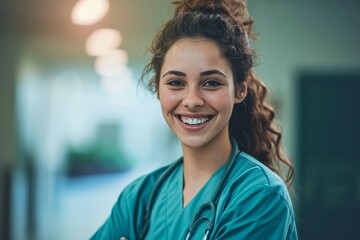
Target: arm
261 213
117 224
128 210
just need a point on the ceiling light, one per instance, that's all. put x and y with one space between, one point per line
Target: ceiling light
87 12
101 41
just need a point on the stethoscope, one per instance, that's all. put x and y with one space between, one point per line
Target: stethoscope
210 205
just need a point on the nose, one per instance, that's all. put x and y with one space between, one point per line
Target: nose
193 99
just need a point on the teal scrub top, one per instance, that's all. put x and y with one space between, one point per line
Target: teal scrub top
254 204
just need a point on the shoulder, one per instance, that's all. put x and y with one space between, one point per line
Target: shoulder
252 179
257 175
142 186
254 204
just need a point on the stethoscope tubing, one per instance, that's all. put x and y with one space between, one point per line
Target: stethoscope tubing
212 204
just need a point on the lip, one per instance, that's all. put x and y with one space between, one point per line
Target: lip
195 127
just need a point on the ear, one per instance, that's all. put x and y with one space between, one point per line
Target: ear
241 93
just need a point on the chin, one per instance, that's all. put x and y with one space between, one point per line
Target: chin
194 142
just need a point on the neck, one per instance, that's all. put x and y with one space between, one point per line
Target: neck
209 157
201 163
206 160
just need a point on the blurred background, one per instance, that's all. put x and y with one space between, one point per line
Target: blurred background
75 127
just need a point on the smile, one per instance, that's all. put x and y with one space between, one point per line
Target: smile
194 121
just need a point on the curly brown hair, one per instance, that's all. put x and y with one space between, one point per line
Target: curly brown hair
227 23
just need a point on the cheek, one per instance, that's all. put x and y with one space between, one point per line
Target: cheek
168 101
222 101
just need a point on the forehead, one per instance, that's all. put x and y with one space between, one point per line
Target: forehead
196 42
195 52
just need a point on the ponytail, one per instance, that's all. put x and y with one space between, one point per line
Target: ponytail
252 126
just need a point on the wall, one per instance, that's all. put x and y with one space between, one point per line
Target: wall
8 144
296 36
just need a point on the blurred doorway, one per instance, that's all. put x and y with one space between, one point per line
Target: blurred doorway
329 159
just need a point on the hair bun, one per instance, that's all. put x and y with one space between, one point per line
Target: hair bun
235 9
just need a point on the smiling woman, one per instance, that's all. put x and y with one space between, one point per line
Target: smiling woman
227 184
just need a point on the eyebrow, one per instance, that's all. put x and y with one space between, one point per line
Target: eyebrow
202 74
212 72
176 73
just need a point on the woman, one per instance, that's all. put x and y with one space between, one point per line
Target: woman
203 76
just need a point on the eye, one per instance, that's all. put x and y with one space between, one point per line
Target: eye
212 84
175 83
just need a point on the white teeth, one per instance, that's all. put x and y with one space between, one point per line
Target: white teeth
194 121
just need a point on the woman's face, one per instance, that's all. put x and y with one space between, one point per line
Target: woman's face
196 92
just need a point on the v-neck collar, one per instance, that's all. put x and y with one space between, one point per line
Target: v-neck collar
171 218
202 194
177 216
